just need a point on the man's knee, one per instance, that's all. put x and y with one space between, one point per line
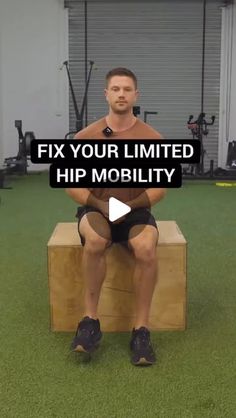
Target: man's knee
144 250
96 244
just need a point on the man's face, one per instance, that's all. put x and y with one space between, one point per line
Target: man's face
121 94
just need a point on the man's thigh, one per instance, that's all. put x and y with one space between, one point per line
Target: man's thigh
92 225
135 225
143 236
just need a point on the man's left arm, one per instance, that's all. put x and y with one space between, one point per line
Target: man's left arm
151 196
147 199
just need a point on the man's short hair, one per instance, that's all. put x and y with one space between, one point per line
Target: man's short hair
122 72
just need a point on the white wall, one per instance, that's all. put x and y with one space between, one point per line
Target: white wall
34 45
1 104
232 124
227 126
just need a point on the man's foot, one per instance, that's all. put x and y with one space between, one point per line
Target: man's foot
87 336
141 347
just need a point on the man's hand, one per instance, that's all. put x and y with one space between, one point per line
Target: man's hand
119 220
147 199
103 207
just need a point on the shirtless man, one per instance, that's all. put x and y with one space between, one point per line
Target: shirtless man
137 229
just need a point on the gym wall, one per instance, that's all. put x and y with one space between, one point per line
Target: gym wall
162 42
34 45
227 128
232 104
1 103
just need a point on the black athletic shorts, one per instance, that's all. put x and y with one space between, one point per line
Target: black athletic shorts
120 231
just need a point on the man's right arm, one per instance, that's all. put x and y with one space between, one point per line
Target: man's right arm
84 197
79 195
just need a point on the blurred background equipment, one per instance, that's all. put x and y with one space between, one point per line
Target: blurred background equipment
79 115
231 156
199 129
19 163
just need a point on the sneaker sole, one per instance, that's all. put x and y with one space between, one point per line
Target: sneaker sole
143 362
81 349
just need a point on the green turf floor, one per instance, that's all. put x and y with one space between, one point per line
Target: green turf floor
195 375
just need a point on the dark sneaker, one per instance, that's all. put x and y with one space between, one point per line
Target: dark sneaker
87 336
141 347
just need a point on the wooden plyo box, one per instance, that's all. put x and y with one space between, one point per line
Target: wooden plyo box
116 304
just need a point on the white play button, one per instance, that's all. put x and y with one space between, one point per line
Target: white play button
117 209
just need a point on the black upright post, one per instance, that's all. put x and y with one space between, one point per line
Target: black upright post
201 165
86 56
203 54
79 122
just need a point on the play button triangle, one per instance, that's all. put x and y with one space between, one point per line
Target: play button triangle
117 209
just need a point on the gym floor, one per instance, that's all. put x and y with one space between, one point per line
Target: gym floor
195 375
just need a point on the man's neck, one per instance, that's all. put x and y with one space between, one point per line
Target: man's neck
120 123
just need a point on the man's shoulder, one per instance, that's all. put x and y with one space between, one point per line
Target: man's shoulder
92 131
148 131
